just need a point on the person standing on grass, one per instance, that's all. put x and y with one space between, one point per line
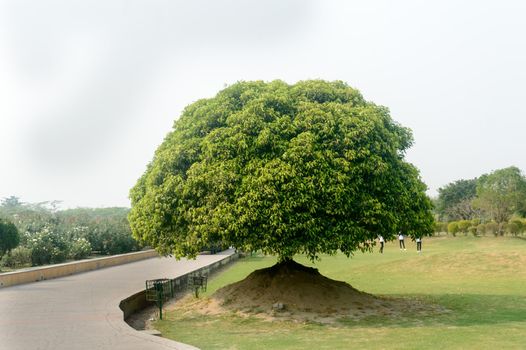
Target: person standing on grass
401 240
382 241
419 244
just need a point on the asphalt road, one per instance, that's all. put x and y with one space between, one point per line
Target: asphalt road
82 311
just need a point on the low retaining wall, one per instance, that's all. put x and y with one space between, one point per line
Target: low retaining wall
66 269
138 302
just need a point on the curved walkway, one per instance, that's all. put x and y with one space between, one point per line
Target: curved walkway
82 311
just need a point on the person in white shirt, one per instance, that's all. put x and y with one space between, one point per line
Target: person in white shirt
382 241
419 244
401 241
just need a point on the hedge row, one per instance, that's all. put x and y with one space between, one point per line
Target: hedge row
477 228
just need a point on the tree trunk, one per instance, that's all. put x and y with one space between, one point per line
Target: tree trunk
284 259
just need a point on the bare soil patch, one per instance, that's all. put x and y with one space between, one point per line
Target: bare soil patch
143 319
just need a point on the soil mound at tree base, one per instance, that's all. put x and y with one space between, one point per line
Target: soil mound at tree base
292 287
289 290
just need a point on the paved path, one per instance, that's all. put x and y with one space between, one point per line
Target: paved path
82 311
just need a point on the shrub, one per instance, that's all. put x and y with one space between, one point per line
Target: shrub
452 228
492 228
512 228
48 247
9 236
503 227
112 237
440 227
464 225
18 257
481 229
515 227
79 249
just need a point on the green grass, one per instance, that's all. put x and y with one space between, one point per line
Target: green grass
482 281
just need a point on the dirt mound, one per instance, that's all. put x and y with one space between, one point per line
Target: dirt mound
289 286
289 290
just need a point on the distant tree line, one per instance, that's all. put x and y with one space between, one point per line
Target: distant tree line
493 203
37 234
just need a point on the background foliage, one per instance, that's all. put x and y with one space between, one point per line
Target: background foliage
494 203
48 235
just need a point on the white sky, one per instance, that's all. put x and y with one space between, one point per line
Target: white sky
89 89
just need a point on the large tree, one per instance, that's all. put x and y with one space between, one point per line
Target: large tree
306 168
501 193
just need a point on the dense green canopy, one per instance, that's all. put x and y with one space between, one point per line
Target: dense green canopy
9 236
306 168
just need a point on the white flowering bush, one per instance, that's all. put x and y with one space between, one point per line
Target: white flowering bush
79 249
48 247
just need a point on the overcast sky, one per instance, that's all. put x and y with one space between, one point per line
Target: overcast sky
89 89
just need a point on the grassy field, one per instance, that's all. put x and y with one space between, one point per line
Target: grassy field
482 281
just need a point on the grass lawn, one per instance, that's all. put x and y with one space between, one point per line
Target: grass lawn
482 281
